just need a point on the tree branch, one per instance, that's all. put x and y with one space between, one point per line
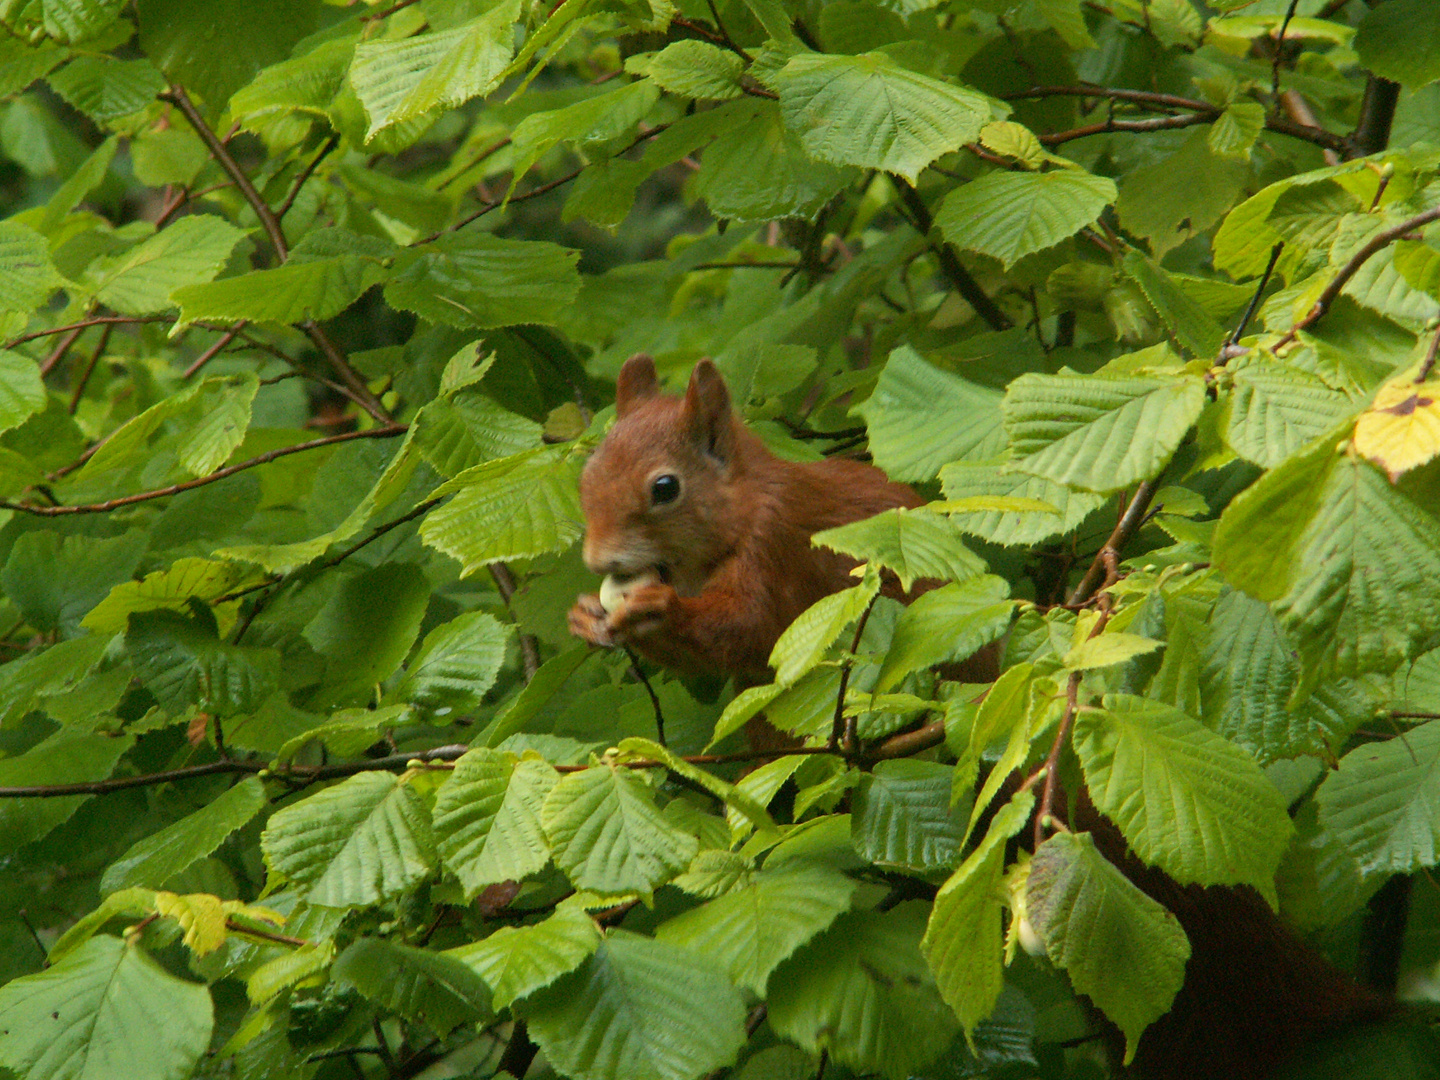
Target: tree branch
1101 568
387 432
964 284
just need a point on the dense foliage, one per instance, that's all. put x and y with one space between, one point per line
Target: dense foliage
311 312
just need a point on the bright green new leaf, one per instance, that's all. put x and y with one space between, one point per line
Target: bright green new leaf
1192 325
190 251
608 836
518 960
22 392
365 840
945 624
1009 215
962 480
806 641
83 1019
456 665
607 115
404 80
1275 409
515 507
458 432
1187 800
921 417
487 818
1123 950
1384 805
422 986
913 543
638 1009
962 942
171 589
870 112
294 292
752 929
1108 650
157 858
1234 133
862 993
1099 433
697 69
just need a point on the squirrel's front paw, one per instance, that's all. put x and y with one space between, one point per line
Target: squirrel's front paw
644 610
589 622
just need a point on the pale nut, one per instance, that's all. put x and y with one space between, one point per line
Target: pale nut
616 587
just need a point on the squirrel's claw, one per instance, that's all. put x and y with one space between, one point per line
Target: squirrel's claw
589 622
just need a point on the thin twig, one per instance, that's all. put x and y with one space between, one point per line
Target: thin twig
964 284
1280 49
529 647
1429 364
654 698
1129 523
305 174
1051 769
387 432
58 353
1233 340
1376 243
99 320
842 728
214 350
95 355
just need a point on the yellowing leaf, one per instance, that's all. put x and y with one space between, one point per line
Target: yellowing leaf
1401 429
200 915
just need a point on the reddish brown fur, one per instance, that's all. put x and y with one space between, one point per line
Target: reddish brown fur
735 544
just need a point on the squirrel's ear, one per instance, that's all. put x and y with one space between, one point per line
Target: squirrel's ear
636 383
707 410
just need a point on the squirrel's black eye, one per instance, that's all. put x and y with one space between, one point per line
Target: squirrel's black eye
664 489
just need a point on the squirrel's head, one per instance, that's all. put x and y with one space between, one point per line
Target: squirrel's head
658 492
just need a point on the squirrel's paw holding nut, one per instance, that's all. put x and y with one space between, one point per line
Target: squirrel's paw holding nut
588 621
645 609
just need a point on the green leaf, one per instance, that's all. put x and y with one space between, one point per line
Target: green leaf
1394 41
1099 433
1383 802
82 1018
104 88
1107 650
945 624
1235 132
862 993
171 589
1154 206
963 943
1346 559
487 818
518 960
155 859
66 757
608 836
54 580
1123 950
368 626
806 640
1276 409
735 798
471 279
870 112
697 69
1186 800
638 1009
365 840
190 251
965 479
516 507
756 169
1009 215
1191 324
405 80
457 433
921 418
27 277
22 392
424 987
456 665
913 543
183 662
299 290
752 929
900 816
607 115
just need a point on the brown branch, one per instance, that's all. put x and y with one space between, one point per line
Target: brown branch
215 349
58 353
1159 123
1101 569
356 390
177 96
529 647
264 935
842 729
1280 49
390 431
1429 364
489 151
305 175
90 368
99 320
1051 769
964 284
1376 243
1377 114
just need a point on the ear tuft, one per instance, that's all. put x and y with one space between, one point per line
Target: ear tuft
635 383
707 413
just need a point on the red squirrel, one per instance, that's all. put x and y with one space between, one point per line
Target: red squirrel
681 491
